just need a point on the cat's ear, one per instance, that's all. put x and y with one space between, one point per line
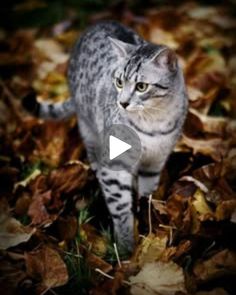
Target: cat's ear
166 59
121 48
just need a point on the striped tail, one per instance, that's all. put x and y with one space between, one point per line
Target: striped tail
56 111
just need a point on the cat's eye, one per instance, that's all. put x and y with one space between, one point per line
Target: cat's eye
141 87
119 83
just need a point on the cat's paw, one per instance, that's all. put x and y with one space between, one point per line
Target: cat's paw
30 103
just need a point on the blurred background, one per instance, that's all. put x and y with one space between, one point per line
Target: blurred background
42 13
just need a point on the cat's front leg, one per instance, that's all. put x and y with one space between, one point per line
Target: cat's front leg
148 180
118 191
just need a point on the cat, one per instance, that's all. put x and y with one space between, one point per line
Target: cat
116 77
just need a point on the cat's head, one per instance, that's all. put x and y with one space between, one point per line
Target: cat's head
147 78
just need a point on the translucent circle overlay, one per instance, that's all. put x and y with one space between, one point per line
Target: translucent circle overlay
127 160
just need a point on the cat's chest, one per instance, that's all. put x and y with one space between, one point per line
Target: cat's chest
156 148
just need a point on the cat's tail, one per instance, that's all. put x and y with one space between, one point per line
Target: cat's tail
44 110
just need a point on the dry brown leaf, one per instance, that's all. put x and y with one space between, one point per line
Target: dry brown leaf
206 124
175 252
194 94
220 264
229 164
46 264
158 278
160 206
177 208
96 243
200 205
67 227
50 142
12 277
198 183
12 232
150 249
160 36
219 192
37 210
214 148
68 178
28 179
225 210
95 261
52 54
22 204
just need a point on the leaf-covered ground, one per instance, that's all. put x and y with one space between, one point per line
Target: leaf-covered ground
55 231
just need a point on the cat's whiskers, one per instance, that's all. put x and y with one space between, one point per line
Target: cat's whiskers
153 108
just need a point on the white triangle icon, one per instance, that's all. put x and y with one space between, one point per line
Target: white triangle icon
117 147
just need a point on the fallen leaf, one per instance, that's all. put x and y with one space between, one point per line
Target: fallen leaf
26 181
150 249
177 206
158 278
37 210
95 261
160 206
214 148
225 209
96 242
206 124
201 206
22 204
220 264
45 264
176 252
50 141
68 178
13 277
12 232
52 54
67 227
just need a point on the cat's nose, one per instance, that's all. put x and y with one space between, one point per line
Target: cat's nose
124 104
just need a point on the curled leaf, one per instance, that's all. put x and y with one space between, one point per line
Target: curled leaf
12 232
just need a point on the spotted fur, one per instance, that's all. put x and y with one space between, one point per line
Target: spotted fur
106 52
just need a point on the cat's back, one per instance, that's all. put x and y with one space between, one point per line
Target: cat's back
92 55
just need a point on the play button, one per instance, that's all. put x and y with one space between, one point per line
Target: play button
117 147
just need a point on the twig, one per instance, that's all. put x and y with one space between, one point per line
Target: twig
104 274
49 289
111 277
149 213
170 228
117 254
160 201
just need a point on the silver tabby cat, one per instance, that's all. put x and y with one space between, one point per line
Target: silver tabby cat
116 77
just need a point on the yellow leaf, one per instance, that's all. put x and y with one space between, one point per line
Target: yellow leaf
200 204
150 249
